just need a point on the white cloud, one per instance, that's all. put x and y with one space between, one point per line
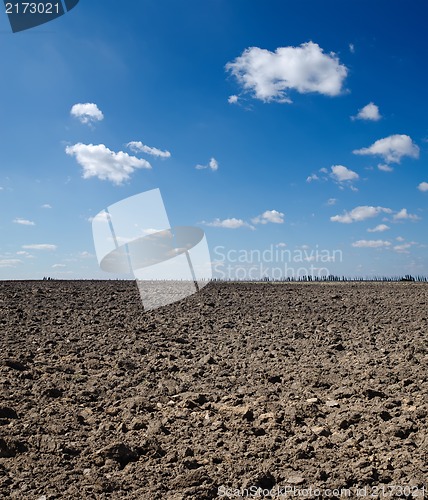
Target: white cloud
423 186
331 202
281 245
342 174
212 165
23 222
359 214
369 112
232 99
404 248
46 205
139 147
42 246
379 229
99 161
269 216
228 223
385 168
313 177
25 254
391 148
55 266
352 48
404 215
269 75
399 238
10 262
371 244
87 113
85 255
100 217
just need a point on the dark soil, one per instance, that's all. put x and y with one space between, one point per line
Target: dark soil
239 386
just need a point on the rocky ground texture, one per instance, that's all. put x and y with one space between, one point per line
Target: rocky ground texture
252 385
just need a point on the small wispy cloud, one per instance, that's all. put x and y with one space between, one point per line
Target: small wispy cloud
56 266
231 223
232 99
404 248
212 165
385 168
10 262
23 222
46 205
40 246
139 147
378 229
371 244
423 186
312 177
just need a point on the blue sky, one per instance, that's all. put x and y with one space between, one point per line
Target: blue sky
309 118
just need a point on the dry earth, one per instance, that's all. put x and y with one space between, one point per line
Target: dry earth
242 385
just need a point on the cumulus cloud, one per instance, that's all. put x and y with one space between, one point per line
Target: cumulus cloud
369 112
23 222
342 174
391 148
359 214
139 147
40 246
379 228
212 165
269 216
423 186
87 113
268 76
99 161
46 205
331 202
403 214
371 244
232 99
228 223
